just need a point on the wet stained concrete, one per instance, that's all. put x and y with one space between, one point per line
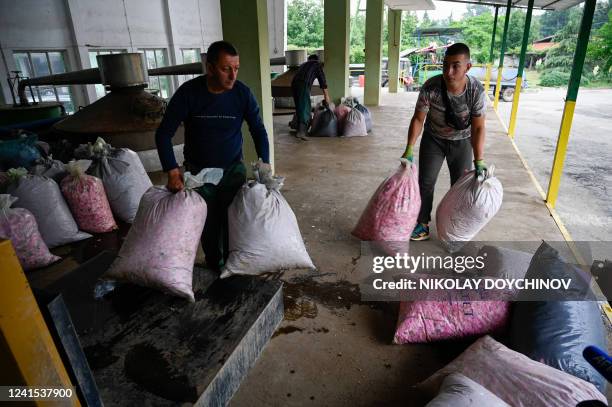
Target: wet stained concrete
333 349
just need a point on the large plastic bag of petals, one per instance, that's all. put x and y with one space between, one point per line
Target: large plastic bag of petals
467 207
366 114
458 390
87 199
354 124
341 111
160 248
463 315
48 167
123 175
42 197
391 213
557 332
19 226
263 231
514 378
324 122
19 152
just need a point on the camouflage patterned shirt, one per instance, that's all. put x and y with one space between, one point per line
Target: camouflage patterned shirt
472 102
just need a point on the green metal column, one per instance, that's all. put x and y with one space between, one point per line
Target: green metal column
337 47
490 64
394 25
501 58
521 67
373 51
245 25
570 101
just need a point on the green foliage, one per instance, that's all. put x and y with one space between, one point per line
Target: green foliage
560 78
477 32
599 51
305 24
555 78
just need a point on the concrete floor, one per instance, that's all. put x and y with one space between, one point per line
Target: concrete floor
333 349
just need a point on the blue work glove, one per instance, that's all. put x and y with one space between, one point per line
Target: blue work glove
408 154
481 167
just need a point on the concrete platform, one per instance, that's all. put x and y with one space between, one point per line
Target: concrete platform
148 348
333 349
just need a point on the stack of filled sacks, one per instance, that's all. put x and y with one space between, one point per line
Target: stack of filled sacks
42 197
19 226
550 334
263 231
354 119
467 207
123 176
160 248
391 213
324 122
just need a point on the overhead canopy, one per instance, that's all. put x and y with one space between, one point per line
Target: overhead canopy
410 5
415 5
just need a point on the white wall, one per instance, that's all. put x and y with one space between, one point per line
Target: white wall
77 26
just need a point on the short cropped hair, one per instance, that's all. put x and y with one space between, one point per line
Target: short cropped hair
216 48
458 48
313 57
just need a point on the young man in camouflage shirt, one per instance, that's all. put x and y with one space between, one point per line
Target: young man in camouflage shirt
451 109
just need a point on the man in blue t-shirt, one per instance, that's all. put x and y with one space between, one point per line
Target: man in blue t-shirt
213 107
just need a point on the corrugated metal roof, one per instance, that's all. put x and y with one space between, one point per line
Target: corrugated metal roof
414 5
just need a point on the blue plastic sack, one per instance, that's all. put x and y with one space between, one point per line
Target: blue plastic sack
556 332
19 152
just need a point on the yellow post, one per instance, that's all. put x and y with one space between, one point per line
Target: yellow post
557 169
497 87
27 345
487 79
515 103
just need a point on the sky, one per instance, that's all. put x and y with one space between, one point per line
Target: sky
443 9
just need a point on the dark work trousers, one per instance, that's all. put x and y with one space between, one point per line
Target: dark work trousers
432 152
215 238
301 99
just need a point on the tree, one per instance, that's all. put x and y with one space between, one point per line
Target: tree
553 21
600 48
473 10
477 32
409 25
426 21
305 24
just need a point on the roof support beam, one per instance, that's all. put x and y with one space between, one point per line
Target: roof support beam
373 51
501 58
521 67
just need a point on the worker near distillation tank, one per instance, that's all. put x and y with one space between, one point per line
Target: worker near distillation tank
301 85
213 107
451 110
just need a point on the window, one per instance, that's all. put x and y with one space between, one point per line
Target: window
40 63
93 62
160 85
189 55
